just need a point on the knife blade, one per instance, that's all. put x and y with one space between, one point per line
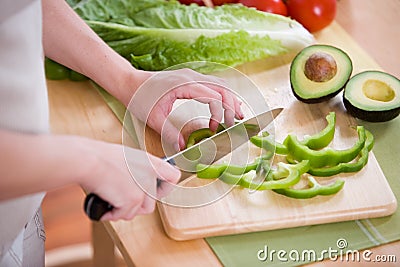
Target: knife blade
206 151
222 143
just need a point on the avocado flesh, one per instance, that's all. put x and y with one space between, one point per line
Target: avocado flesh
373 96
310 91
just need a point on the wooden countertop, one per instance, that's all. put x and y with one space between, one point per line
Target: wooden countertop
76 108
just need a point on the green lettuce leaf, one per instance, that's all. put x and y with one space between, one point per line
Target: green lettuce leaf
157 34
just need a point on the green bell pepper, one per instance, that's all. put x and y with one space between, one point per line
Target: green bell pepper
235 179
284 176
203 133
198 135
324 137
324 157
348 166
76 76
314 189
311 155
268 143
54 70
214 171
316 141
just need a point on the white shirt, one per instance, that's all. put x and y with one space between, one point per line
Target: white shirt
23 97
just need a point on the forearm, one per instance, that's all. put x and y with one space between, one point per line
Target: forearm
70 41
33 163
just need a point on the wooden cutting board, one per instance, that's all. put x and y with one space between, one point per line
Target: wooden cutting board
366 193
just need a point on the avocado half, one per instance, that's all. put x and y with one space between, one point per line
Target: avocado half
319 72
373 96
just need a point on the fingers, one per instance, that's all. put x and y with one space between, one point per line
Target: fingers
230 103
126 210
238 110
167 177
165 171
216 114
168 131
222 102
148 205
188 84
139 197
142 203
145 206
164 189
119 214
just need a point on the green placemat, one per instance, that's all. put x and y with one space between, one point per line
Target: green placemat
296 246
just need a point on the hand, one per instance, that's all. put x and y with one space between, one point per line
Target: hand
126 178
154 99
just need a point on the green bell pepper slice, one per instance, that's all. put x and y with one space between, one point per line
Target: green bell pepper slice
203 133
205 171
285 176
235 179
248 126
314 189
348 166
324 137
198 135
268 143
324 157
214 171
316 141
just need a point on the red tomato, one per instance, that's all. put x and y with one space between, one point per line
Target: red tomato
272 6
188 2
221 2
202 3
314 15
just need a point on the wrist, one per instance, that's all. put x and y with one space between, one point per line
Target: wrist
122 80
131 80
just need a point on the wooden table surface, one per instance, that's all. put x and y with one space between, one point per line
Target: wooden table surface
75 109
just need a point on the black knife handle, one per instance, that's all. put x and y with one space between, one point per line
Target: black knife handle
95 207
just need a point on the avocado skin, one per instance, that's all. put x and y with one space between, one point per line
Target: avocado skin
371 116
319 99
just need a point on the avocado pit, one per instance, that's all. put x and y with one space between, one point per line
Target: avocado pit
320 67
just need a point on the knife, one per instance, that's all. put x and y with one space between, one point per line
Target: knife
206 151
